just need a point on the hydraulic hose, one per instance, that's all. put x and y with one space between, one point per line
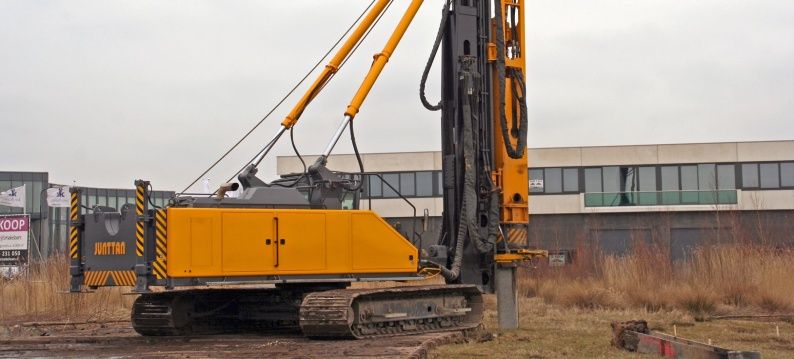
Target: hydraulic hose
517 78
468 225
429 64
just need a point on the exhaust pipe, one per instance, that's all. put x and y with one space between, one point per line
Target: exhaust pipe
221 193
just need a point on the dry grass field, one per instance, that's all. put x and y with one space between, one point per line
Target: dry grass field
41 295
717 279
565 311
555 331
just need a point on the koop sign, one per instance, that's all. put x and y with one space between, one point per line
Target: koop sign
14 239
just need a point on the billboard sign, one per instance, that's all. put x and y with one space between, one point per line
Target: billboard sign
14 231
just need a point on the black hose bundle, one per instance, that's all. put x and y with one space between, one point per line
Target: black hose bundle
519 87
468 227
429 64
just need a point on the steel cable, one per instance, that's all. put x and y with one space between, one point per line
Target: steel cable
280 102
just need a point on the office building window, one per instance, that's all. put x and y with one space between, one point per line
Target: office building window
392 180
375 186
439 183
707 177
552 180
647 179
407 184
726 177
536 180
424 184
750 175
611 181
592 180
787 174
670 178
570 179
770 175
689 178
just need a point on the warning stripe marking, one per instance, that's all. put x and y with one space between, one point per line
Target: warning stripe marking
139 205
139 208
96 278
74 210
139 239
160 230
517 235
100 278
73 242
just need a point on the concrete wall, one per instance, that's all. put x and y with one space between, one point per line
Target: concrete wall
396 207
671 231
572 156
662 153
373 162
766 200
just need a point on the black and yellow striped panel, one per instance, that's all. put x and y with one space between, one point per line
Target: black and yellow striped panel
160 230
74 208
139 239
139 207
74 211
109 278
517 235
95 278
123 278
73 252
139 198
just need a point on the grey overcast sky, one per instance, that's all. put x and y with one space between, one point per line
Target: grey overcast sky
103 92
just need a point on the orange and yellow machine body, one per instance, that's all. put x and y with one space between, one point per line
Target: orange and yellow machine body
211 242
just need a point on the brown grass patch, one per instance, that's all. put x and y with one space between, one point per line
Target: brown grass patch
41 294
724 276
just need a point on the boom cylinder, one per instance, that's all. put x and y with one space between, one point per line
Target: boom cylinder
382 58
269 146
335 63
374 72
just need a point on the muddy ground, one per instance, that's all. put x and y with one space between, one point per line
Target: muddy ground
118 340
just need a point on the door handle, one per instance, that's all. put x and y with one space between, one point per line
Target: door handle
275 229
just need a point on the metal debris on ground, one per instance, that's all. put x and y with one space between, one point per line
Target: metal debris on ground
635 336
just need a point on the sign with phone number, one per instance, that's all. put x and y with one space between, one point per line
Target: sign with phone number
14 239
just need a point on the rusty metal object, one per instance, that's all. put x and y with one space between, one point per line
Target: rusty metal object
624 333
635 336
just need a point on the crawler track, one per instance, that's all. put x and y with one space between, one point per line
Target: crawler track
215 311
321 313
373 313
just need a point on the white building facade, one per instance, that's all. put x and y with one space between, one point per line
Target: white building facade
676 196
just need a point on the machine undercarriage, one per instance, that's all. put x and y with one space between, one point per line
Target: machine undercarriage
317 312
